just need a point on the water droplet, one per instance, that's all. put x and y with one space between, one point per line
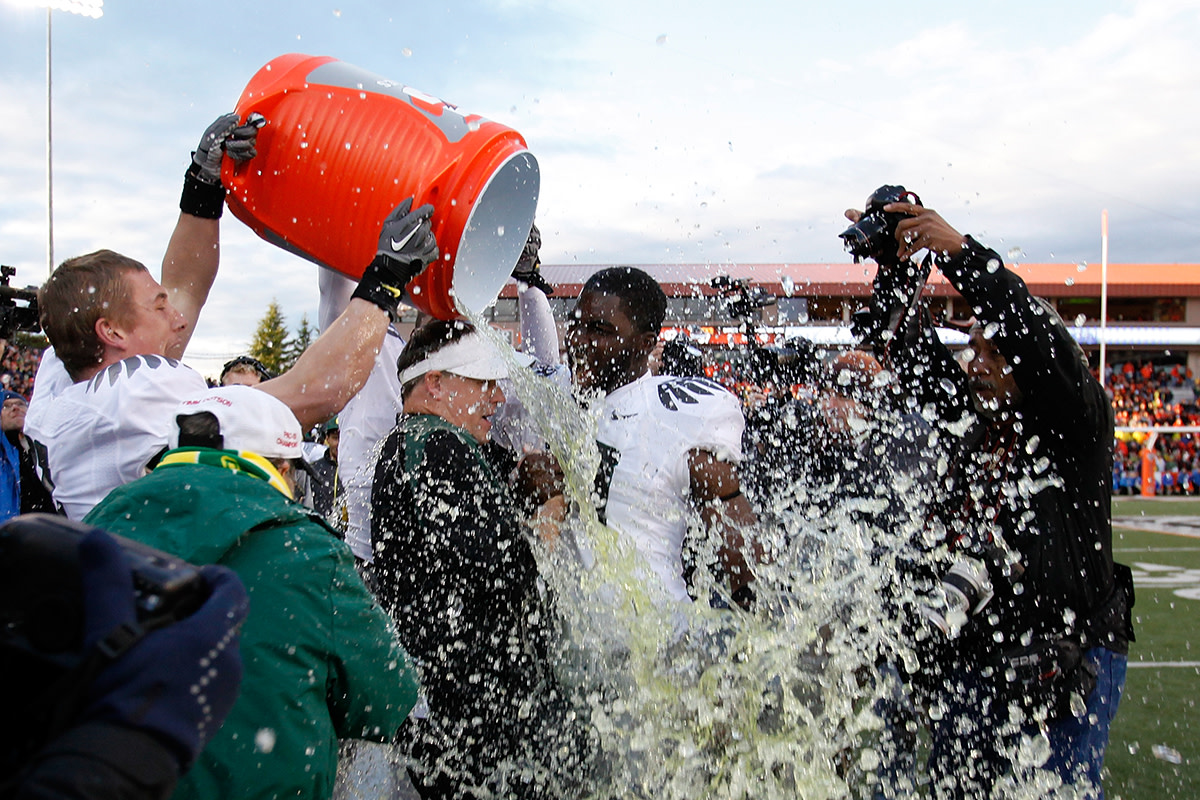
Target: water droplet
1070 281
264 740
337 12
499 230
1168 754
1081 266
406 52
661 39
1080 319
993 265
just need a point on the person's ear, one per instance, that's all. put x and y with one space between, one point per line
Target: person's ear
647 341
433 384
109 333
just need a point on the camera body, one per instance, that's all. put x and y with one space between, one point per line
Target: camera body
41 593
18 307
874 235
740 299
42 624
797 360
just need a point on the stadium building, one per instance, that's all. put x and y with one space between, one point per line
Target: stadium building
1153 310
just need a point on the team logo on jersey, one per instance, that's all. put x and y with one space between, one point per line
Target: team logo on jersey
129 366
685 390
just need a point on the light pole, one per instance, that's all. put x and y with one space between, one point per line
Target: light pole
86 8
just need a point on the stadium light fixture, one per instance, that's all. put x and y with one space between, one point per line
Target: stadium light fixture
84 8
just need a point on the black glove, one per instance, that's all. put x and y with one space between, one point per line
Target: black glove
529 268
177 683
203 195
406 247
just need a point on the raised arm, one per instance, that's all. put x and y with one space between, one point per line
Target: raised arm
190 263
336 366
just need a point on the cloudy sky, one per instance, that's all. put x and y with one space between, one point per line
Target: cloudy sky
729 132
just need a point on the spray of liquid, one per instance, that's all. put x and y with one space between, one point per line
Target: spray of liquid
797 697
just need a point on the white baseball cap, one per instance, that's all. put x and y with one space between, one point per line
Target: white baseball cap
471 356
250 419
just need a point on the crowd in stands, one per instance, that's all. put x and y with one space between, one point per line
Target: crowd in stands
1144 394
18 367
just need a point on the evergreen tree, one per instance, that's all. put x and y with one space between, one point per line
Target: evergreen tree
270 339
305 333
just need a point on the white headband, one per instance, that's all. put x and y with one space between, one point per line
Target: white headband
471 356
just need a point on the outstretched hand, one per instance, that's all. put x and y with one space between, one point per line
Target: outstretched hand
406 247
924 229
226 135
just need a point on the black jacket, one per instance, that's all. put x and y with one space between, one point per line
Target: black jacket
1030 490
458 574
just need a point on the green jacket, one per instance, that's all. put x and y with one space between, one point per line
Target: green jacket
321 658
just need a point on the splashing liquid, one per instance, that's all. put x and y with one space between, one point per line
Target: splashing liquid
787 700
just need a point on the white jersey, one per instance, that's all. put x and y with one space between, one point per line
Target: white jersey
364 422
645 432
100 433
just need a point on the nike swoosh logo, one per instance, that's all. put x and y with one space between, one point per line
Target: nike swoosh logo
397 245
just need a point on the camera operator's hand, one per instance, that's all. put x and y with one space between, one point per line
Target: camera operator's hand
178 682
406 247
925 230
203 195
529 268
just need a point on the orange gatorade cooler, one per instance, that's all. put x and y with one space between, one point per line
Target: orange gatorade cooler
342 147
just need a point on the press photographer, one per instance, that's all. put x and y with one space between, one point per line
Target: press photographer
1027 516
121 661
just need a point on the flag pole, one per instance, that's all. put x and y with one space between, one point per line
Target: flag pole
1103 290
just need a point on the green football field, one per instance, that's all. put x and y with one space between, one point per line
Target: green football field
1155 747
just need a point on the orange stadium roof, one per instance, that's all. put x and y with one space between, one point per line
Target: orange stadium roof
854 280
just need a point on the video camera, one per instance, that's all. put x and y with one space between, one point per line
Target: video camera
18 307
740 299
796 361
42 618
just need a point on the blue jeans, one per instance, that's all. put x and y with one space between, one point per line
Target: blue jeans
1077 744
972 734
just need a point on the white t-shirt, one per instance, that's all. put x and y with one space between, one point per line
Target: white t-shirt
645 432
364 422
100 433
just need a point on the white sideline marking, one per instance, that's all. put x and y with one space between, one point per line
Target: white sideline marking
1158 664
1175 525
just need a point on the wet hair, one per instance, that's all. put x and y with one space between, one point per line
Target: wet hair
248 365
425 341
203 429
81 291
644 300
855 373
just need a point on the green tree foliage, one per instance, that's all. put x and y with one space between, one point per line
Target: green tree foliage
270 339
305 333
